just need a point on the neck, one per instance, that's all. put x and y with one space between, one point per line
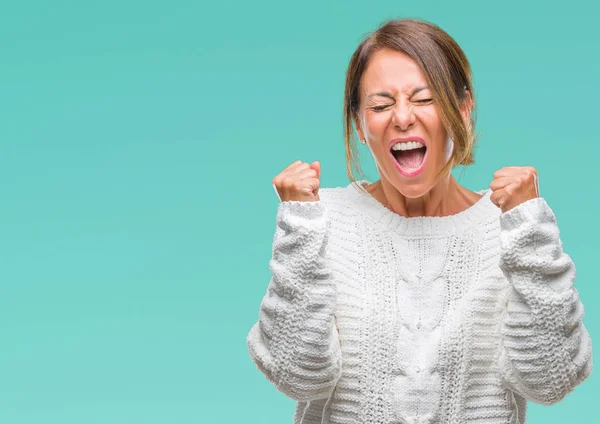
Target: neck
445 198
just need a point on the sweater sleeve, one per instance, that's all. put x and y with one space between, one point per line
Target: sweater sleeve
546 350
295 341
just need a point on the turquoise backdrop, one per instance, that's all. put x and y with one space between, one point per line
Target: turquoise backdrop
138 141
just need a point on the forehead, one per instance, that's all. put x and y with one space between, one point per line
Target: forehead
391 70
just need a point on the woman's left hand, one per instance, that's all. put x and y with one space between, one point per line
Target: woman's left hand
514 185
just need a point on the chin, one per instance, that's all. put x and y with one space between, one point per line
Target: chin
413 189
414 194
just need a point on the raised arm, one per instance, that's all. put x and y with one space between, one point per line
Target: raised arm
546 350
295 341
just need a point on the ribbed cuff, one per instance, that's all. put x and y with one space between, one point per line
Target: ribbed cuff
533 210
309 209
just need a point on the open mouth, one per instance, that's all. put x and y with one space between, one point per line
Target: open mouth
410 160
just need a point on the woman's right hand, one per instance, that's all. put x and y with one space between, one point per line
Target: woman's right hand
299 181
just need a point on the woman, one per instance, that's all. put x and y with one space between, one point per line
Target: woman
414 299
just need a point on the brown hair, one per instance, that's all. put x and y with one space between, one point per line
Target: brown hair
446 69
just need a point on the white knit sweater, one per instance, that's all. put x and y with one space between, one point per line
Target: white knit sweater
375 318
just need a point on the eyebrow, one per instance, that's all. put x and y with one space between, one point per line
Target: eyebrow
386 94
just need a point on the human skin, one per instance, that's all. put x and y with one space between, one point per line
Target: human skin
404 114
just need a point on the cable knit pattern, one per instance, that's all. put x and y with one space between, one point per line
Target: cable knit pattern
294 341
375 318
546 349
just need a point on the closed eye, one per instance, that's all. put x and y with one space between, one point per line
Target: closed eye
378 108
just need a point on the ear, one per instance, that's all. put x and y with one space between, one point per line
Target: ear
359 128
466 107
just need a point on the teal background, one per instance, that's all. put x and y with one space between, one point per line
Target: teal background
138 141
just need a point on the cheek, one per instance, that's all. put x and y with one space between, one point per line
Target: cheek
376 123
444 147
429 116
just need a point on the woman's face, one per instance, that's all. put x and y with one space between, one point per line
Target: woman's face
396 103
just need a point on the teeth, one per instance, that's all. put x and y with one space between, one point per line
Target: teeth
407 145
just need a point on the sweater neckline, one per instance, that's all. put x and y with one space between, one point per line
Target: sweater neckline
423 225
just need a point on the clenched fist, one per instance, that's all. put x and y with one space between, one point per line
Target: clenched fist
299 181
514 185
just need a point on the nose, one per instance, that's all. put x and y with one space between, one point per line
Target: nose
403 116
